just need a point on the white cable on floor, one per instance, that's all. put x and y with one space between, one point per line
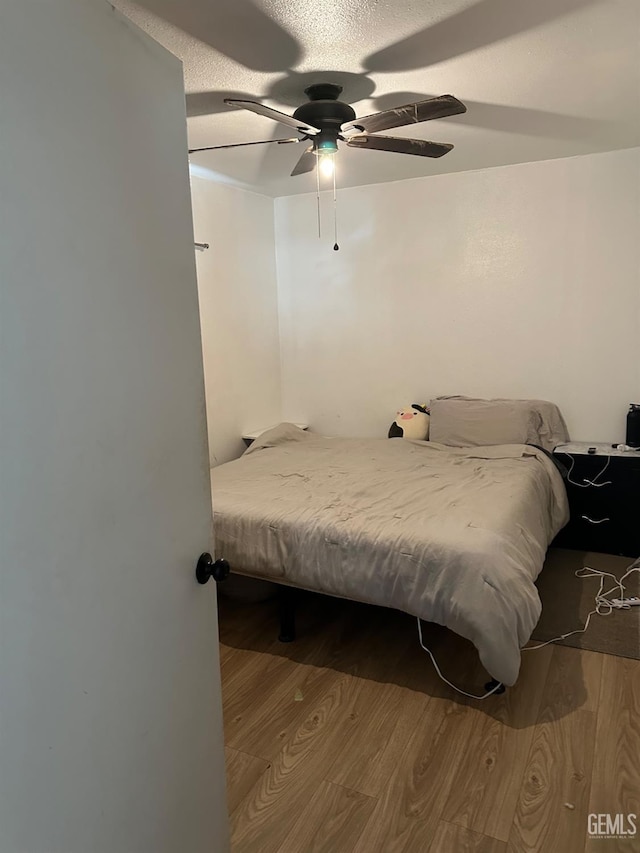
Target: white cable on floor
437 669
604 607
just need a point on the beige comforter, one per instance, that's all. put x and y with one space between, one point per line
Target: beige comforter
455 536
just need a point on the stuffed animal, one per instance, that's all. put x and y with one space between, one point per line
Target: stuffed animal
411 422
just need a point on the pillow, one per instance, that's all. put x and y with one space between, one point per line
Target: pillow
411 422
468 421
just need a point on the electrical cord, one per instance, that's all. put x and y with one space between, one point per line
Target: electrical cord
604 607
604 604
588 483
497 686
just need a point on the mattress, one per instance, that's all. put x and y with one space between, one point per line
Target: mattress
455 536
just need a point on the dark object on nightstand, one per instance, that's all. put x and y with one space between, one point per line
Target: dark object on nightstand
633 425
604 500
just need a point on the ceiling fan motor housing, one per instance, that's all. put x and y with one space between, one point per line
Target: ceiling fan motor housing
325 111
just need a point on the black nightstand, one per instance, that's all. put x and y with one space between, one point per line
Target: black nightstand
604 499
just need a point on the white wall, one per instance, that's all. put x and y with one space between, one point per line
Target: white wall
518 281
239 313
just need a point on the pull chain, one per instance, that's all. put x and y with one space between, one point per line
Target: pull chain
335 213
318 196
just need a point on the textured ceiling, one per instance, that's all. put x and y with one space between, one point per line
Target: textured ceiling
540 78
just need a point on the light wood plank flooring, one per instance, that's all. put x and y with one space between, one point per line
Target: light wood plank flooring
346 741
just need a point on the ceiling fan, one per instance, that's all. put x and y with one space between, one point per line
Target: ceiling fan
324 121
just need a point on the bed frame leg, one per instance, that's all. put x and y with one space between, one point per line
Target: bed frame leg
287 614
491 684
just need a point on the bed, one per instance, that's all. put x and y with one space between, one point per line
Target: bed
452 535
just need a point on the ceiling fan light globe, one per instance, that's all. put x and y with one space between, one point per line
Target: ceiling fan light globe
326 164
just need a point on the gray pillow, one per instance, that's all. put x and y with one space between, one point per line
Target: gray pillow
465 421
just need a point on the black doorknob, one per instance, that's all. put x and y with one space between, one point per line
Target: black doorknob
207 568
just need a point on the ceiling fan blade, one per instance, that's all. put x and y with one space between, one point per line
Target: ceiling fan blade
445 105
243 144
211 102
306 163
420 147
283 118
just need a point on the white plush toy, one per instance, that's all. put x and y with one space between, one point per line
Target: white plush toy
411 422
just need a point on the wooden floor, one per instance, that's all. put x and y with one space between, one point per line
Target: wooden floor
346 740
